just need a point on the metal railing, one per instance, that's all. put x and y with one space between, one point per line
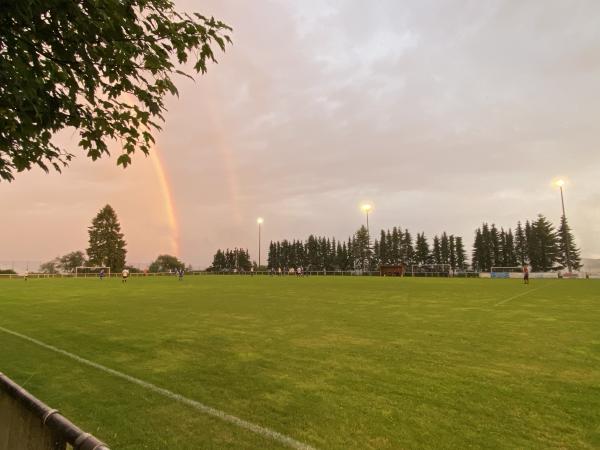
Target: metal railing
27 423
346 273
194 273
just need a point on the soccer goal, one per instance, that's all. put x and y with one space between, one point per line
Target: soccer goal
506 272
88 272
430 270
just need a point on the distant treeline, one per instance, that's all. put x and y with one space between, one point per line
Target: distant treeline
394 246
537 244
231 259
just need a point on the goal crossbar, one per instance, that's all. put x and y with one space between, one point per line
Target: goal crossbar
91 270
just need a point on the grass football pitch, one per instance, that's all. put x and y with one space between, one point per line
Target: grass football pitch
333 363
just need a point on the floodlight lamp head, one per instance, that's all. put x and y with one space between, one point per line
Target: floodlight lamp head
366 207
560 182
259 220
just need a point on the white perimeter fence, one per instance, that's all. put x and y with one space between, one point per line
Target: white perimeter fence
329 273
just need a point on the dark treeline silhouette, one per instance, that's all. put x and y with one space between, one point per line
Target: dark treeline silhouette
536 244
394 246
227 260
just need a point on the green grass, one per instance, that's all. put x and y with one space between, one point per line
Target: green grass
336 363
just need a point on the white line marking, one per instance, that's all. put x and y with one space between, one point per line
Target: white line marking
528 291
263 431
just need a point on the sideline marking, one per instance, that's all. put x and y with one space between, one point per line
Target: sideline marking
528 291
258 429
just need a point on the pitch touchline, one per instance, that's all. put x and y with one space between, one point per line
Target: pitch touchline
528 291
263 431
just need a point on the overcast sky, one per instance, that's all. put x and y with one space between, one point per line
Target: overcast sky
443 114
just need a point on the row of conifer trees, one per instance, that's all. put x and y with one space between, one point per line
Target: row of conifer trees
537 244
393 246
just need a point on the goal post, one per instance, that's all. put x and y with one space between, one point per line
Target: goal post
506 272
91 271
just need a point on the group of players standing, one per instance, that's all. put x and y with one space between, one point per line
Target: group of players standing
125 274
298 271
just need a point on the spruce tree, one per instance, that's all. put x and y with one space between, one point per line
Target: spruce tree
345 263
495 247
409 251
106 244
339 257
395 251
478 254
520 245
401 246
376 257
452 248
328 263
461 256
230 262
292 254
278 261
533 256
437 251
544 244
284 254
271 256
422 255
383 249
568 253
487 251
510 255
361 248
322 252
312 252
444 249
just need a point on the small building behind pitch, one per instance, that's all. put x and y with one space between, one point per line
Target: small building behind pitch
392 270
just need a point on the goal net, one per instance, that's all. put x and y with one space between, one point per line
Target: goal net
89 272
506 272
430 270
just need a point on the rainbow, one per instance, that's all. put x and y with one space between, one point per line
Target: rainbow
169 204
165 187
223 146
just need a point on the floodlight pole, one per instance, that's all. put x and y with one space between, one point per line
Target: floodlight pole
259 221
562 202
366 208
